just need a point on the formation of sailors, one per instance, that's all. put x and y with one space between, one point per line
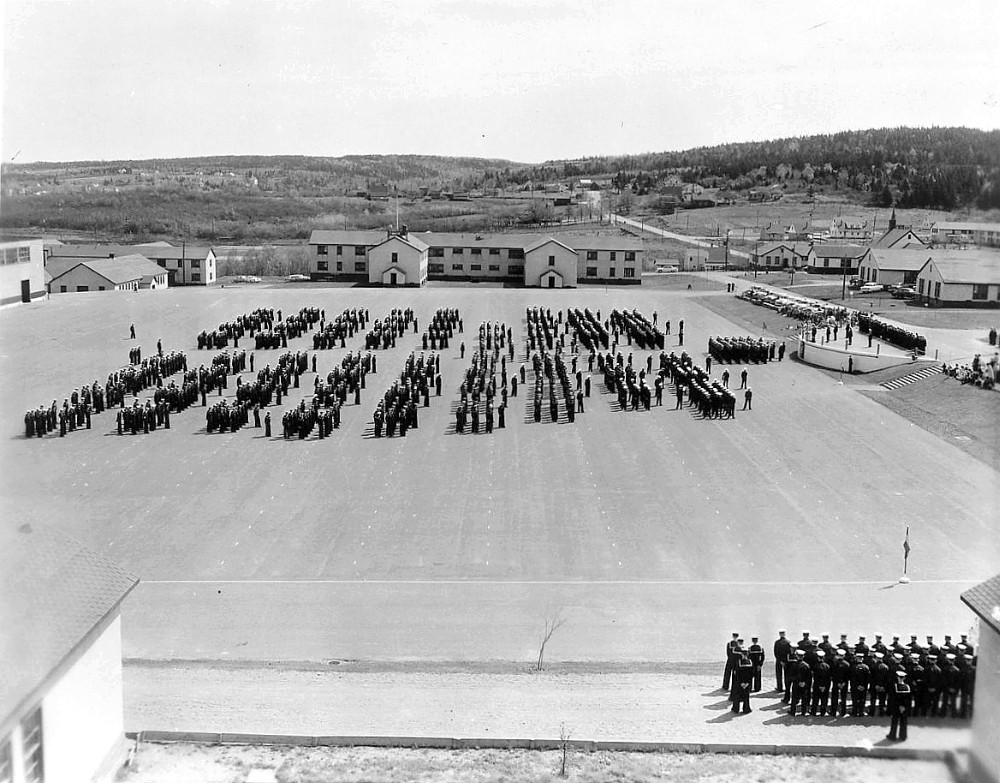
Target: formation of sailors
870 324
384 332
398 406
136 418
636 328
441 329
283 331
479 384
622 379
259 320
816 677
340 329
590 333
713 399
348 379
300 420
743 350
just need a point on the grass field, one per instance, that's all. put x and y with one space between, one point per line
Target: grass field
658 530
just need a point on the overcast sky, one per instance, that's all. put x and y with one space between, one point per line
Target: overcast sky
517 79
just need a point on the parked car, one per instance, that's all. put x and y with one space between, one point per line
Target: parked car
854 282
298 278
660 270
904 292
872 288
247 279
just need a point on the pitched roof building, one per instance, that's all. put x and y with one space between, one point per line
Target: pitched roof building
960 279
121 273
984 749
898 238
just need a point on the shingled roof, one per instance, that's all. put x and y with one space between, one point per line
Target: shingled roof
984 600
53 592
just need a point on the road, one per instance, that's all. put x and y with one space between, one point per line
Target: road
643 226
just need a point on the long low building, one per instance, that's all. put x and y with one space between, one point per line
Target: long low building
960 279
894 267
985 234
22 272
185 265
565 263
123 273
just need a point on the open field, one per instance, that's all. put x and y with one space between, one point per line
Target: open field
655 532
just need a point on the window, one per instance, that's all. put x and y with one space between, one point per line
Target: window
360 266
321 250
395 258
435 269
494 267
62 289
360 250
515 270
767 260
322 266
475 267
629 271
611 272
82 288
100 288
920 286
476 251
31 744
456 267
980 291
494 251
591 255
23 254
591 271
552 260
614 255
435 252
162 262
196 277
6 764
826 262
340 250
937 290
457 251
340 266
195 263
516 252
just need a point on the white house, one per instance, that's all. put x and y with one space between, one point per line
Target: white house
834 259
399 259
960 279
125 273
548 263
985 234
184 265
22 272
984 750
61 713
782 255
892 266
898 239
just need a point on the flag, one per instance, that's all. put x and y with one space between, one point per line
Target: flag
906 544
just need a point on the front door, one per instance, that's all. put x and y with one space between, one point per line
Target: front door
552 281
25 290
392 278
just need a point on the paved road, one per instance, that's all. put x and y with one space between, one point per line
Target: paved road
643 226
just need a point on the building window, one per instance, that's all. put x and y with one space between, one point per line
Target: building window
360 250
475 267
82 288
162 262
395 258
23 254
614 255
321 250
515 270
195 263
611 272
591 255
630 255
826 262
629 271
62 289
516 252
552 260
6 762
100 288
196 277
456 267
360 266
980 291
494 251
340 250
457 251
435 269
476 251
31 744
322 266
435 252
920 286
591 271
937 290
340 266
494 267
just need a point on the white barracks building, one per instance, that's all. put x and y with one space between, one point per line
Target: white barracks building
534 260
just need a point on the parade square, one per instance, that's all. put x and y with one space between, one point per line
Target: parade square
655 531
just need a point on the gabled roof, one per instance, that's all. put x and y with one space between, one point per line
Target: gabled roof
900 259
501 241
799 248
984 600
967 268
898 236
53 592
952 226
337 237
409 239
155 251
118 270
542 241
840 251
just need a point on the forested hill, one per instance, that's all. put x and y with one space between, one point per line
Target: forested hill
944 167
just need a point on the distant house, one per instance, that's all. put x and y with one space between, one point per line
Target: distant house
778 232
22 272
983 234
700 259
673 194
125 273
703 200
850 229
378 192
984 749
835 259
894 266
185 265
960 279
61 706
899 239
782 255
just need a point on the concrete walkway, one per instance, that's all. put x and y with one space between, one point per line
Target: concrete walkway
654 707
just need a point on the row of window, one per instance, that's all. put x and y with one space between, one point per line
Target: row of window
513 253
628 271
359 266
629 255
980 291
16 255
195 262
359 250
31 750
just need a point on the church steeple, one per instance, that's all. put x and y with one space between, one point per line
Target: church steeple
892 220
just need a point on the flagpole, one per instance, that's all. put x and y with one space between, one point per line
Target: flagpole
904 579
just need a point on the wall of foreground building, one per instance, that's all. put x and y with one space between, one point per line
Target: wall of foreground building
984 756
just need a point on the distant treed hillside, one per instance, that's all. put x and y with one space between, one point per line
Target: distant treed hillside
921 167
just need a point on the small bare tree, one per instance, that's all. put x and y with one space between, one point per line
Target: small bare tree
564 738
553 622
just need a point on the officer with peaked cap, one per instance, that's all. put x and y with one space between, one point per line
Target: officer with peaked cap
900 704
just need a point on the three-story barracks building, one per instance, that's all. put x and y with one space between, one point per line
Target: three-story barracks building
533 260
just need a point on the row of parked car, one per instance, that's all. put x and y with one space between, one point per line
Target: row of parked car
897 291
